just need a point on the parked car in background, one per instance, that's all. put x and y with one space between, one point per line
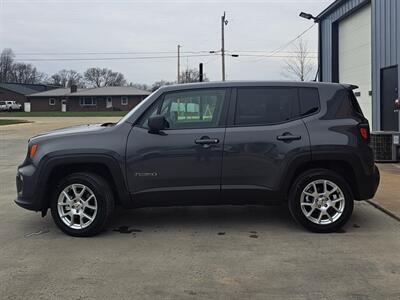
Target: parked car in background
305 144
10 106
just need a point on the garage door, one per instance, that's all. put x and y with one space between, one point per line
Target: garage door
355 56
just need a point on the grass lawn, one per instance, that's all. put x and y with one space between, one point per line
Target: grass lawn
64 114
11 122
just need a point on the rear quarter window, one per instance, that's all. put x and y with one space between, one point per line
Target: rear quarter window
340 106
354 103
309 101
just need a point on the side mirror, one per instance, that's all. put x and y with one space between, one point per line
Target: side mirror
157 123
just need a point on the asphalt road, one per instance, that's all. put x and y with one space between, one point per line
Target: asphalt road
189 253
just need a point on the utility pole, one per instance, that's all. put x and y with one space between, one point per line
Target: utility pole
179 64
223 24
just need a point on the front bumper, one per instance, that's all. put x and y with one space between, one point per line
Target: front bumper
27 188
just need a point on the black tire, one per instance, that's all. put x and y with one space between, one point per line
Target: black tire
302 182
104 198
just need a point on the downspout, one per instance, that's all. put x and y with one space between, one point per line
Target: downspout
319 70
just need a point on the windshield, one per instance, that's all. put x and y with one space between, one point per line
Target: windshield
129 114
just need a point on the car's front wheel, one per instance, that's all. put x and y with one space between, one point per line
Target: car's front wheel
81 204
321 200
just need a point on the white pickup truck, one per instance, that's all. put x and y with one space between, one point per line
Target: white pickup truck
9 106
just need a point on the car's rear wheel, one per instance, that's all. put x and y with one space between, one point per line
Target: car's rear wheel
321 200
81 204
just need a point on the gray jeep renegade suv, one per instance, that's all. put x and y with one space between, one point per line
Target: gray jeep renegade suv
207 144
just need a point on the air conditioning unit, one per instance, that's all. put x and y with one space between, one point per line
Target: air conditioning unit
386 145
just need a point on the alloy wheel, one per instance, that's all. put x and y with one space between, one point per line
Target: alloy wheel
322 202
77 206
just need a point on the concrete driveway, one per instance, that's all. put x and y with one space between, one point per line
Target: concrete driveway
189 253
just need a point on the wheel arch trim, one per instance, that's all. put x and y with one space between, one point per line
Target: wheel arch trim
114 164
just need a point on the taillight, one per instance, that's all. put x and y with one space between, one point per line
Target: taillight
364 131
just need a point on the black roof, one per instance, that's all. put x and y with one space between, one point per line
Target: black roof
25 89
243 83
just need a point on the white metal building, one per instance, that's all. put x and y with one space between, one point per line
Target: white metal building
360 44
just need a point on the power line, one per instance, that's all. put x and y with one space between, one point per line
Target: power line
151 57
143 52
272 56
284 46
293 40
112 58
263 51
108 53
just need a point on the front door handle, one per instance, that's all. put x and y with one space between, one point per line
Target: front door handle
206 141
287 137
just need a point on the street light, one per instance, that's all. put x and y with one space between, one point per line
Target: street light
307 16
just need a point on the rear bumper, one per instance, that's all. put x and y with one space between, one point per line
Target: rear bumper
368 185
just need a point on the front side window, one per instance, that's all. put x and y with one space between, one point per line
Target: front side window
265 105
52 101
190 109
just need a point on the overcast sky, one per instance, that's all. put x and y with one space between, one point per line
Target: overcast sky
144 28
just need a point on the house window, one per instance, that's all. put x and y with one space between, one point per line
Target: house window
124 100
52 101
88 101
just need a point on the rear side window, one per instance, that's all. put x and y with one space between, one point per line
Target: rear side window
354 103
309 101
264 106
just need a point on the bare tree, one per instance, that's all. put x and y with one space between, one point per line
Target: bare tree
156 85
55 79
191 75
301 65
140 86
66 78
26 73
98 77
6 63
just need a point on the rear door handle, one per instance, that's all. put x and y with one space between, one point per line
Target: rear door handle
288 137
206 141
